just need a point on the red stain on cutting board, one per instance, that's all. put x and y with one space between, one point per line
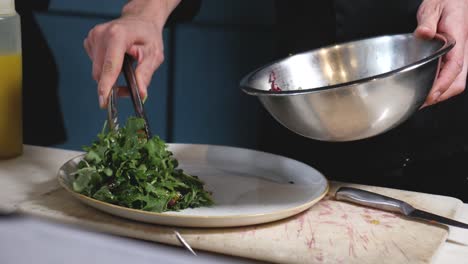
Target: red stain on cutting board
350 219
311 240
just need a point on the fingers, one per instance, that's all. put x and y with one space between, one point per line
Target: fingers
96 72
87 47
452 62
111 67
458 86
107 44
146 69
123 91
95 49
452 68
428 17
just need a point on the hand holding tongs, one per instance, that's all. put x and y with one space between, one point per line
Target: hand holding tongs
112 115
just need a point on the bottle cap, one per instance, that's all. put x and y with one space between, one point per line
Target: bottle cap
7 7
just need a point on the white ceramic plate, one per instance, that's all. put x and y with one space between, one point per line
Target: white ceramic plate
249 187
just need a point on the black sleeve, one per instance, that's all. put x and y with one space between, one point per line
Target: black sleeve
184 12
27 6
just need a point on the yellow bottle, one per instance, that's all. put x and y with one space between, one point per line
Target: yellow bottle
11 132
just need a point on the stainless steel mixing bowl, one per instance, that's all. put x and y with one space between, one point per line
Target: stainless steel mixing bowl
352 90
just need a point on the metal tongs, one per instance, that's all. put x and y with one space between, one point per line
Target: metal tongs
112 114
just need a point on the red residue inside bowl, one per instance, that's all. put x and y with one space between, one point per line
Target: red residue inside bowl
272 80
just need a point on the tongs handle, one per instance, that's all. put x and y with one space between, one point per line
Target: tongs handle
129 74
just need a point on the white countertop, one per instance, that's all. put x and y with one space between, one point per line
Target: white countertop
29 240
455 250
24 239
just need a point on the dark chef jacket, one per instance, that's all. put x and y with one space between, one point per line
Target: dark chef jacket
426 153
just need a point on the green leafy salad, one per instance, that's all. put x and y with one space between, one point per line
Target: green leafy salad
125 168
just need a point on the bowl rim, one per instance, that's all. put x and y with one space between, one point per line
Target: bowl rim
449 43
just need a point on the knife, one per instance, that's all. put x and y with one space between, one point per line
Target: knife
386 203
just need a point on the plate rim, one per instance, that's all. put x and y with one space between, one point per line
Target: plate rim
169 214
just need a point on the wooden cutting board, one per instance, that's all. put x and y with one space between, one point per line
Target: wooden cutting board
329 232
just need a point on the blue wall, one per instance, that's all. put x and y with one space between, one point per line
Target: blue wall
226 40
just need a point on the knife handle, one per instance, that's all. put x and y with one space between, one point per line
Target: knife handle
373 200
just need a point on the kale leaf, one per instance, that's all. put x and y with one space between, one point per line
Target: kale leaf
125 168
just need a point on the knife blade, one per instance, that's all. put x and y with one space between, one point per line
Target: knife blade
382 202
423 215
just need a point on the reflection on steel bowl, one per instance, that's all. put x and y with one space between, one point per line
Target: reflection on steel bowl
350 91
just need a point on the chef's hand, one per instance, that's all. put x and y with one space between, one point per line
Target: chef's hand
449 17
137 32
